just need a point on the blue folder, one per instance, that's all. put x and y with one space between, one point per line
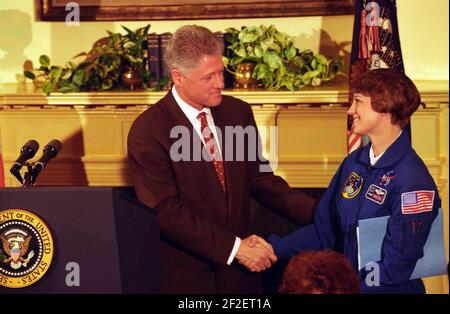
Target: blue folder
371 233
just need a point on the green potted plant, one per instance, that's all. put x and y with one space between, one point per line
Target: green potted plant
277 62
114 62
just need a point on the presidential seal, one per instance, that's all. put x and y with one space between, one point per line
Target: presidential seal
27 248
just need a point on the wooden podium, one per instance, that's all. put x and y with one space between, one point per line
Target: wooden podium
105 231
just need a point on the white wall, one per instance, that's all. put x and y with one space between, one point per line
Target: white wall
423 34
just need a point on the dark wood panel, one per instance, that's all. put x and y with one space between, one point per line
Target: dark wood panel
54 10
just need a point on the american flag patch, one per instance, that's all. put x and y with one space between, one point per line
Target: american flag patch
417 202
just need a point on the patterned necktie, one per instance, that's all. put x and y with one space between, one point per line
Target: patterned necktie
212 148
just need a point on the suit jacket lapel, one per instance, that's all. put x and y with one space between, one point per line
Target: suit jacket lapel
203 172
233 170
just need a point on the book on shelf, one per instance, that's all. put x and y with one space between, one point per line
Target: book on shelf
154 58
163 41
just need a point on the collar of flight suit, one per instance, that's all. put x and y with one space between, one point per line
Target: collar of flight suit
394 153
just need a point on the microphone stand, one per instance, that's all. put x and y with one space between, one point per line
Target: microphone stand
28 176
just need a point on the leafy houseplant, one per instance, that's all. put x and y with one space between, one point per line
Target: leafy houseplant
278 62
115 62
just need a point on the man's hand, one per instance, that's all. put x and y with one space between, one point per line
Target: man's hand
255 254
256 241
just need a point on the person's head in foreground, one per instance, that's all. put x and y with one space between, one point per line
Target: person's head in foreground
319 272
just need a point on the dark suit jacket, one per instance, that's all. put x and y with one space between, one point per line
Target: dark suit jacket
198 221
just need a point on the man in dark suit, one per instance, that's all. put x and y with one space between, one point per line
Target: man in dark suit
201 192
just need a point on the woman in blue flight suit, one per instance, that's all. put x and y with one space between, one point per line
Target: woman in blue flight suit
386 177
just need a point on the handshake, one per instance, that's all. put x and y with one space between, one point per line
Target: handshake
256 254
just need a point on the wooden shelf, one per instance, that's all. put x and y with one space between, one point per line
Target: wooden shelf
12 94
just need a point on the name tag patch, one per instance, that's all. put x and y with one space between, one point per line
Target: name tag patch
376 194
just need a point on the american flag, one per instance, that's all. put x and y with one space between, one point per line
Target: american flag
417 202
375 44
354 141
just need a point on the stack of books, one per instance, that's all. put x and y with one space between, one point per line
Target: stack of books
157 44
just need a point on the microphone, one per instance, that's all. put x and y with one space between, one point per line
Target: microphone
50 151
27 151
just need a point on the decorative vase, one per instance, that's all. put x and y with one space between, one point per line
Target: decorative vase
243 76
131 78
39 81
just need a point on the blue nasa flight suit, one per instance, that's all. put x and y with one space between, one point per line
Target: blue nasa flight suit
360 191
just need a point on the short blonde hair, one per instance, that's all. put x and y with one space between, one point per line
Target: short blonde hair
188 44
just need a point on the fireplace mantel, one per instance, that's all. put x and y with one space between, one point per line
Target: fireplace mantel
94 126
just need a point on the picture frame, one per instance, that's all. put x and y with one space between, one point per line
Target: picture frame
148 10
